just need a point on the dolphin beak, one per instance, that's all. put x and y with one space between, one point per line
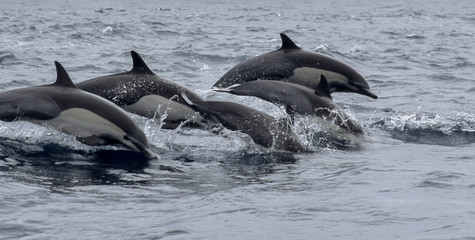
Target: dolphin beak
363 90
140 147
367 92
148 153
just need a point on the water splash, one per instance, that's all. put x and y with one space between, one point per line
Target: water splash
450 130
30 133
322 134
108 30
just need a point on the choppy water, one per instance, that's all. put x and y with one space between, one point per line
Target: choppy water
412 178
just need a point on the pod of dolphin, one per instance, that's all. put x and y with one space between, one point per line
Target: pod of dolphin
94 111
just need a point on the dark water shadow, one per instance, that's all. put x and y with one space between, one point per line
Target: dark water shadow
62 165
255 165
244 163
259 159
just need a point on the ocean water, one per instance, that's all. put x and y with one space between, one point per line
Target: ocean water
411 177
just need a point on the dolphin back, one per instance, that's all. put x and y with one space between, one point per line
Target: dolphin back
129 87
267 66
23 104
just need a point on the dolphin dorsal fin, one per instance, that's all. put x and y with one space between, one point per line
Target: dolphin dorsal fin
287 43
139 64
323 87
63 79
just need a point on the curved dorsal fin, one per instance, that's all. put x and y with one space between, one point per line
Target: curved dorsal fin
287 43
323 86
139 64
62 79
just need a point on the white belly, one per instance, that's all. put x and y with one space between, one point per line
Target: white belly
155 106
84 123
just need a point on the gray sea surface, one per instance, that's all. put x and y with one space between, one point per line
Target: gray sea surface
411 177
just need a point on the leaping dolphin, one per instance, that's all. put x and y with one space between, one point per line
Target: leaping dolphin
142 92
264 130
92 119
298 99
291 63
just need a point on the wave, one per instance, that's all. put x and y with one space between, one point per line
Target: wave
8 58
425 128
186 52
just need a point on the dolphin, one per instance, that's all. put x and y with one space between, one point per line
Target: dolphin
263 129
90 118
142 92
298 99
291 63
